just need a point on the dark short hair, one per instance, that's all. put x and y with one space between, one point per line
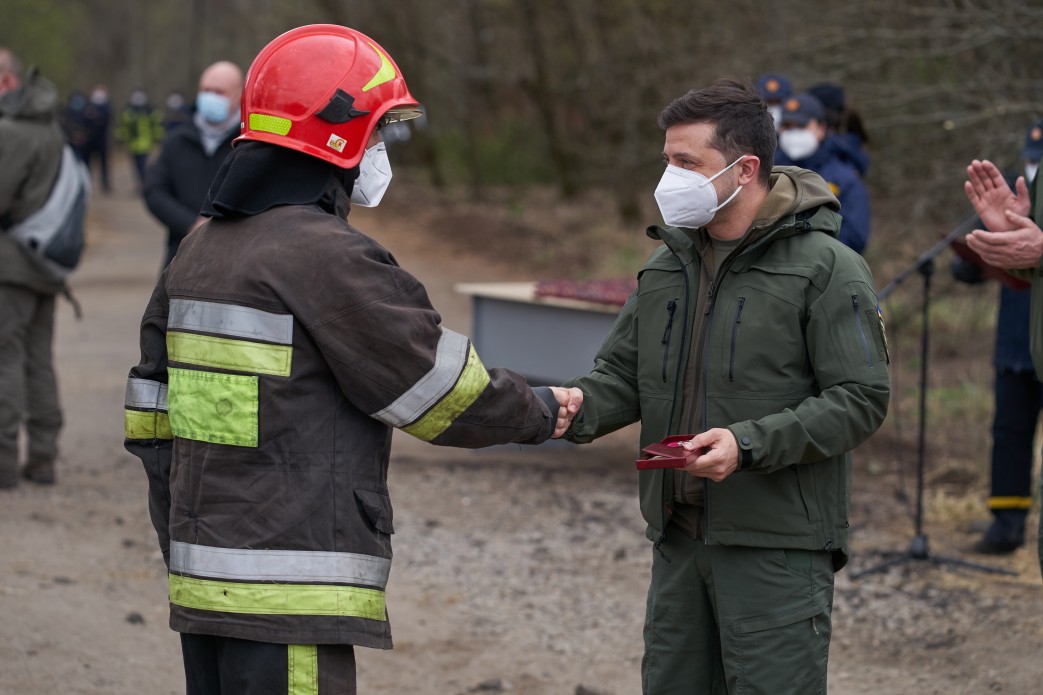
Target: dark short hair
742 124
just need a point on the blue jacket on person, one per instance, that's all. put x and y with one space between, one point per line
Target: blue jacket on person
849 147
845 183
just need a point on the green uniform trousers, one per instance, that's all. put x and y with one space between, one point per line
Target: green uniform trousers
737 620
28 388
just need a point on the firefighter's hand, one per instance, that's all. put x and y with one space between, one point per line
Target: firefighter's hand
712 454
569 402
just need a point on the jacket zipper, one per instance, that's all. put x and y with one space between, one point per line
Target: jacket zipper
861 330
800 224
671 307
735 334
677 383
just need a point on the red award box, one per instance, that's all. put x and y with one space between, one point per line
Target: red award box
665 454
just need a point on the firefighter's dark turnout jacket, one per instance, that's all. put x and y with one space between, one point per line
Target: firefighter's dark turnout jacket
278 352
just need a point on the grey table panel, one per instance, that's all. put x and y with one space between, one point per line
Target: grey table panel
545 343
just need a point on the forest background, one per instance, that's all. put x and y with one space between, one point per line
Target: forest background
540 141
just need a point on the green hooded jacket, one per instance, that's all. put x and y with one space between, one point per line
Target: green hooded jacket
794 363
30 154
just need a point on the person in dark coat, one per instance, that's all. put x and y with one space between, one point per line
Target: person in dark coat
805 142
1018 395
176 184
844 124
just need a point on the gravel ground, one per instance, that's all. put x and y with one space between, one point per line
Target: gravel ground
518 571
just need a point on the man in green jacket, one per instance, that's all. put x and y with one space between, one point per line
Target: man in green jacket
30 155
755 329
1012 240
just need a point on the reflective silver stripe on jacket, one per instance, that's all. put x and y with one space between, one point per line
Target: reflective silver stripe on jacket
229 319
279 565
450 361
146 394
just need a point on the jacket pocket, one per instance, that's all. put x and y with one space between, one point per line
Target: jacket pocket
861 330
671 308
376 508
808 491
735 338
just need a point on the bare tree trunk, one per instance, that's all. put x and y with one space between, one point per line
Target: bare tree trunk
541 91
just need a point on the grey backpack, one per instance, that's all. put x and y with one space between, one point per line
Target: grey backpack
54 233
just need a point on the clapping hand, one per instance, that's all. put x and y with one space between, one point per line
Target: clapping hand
991 196
569 402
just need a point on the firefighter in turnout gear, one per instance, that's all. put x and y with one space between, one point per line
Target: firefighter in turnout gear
279 349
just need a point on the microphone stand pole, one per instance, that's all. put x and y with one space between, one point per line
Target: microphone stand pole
918 548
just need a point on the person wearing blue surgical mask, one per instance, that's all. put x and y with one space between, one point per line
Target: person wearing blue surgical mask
176 184
804 142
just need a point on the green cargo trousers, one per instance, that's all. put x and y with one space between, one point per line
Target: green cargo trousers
28 388
737 620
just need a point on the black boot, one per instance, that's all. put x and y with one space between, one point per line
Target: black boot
1004 536
39 472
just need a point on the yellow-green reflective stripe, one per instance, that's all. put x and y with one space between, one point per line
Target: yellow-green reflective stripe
266 123
277 599
386 73
302 666
226 353
213 407
1010 502
151 424
468 387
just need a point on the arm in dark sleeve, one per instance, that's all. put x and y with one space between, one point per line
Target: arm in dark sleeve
395 361
854 210
161 194
146 425
965 271
610 394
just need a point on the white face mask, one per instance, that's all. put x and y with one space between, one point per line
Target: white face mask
798 143
687 198
1030 171
776 115
374 177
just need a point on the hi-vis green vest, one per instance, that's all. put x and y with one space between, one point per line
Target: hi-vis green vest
278 352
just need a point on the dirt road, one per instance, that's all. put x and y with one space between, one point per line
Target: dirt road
515 571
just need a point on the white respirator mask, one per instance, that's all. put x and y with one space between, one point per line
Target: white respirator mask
687 199
374 177
798 143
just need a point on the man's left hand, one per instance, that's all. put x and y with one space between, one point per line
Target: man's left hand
1021 247
721 457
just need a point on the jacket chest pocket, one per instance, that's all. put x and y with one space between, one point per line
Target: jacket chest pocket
760 343
661 327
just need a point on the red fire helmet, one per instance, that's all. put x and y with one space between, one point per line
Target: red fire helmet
321 89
